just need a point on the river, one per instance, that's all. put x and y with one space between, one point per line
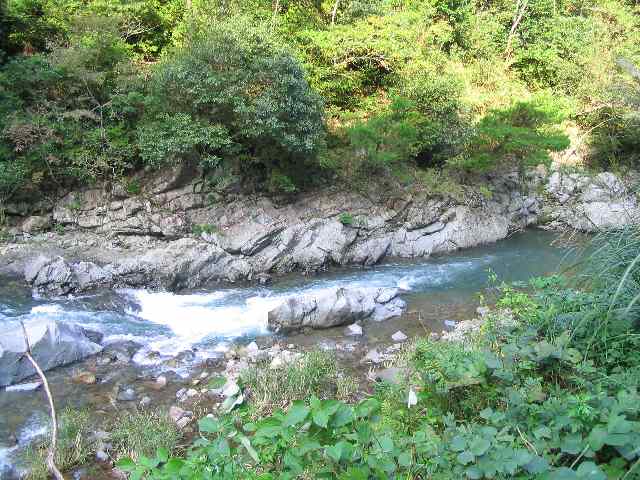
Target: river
205 321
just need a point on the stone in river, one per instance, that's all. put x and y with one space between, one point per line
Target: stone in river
399 336
53 344
354 330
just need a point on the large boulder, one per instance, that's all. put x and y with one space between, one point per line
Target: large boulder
53 344
334 307
56 277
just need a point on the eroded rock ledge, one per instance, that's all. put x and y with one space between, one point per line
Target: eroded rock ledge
114 240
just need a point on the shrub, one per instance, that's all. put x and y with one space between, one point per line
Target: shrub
235 79
518 136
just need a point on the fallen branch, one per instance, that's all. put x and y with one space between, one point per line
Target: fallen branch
51 464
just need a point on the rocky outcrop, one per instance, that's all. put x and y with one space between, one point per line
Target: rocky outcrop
175 235
334 307
52 344
590 203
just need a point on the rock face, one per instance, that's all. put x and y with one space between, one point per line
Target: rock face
52 344
590 204
115 240
334 307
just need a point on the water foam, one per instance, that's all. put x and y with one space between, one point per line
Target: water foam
197 316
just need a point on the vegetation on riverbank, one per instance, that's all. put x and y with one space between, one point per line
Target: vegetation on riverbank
547 388
283 95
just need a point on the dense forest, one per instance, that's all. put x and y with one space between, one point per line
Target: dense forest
290 94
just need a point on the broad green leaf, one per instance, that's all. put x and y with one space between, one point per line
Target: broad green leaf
572 444
334 452
320 417
465 457
405 459
458 443
250 450
479 446
209 425
126 464
590 471
473 473
297 414
386 443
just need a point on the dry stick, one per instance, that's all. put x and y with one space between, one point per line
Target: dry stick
51 464
334 12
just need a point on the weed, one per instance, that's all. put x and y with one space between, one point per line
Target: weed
315 373
142 433
346 219
199 229
73 447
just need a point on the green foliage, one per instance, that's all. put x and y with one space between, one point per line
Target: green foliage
346 218
518 136
201 228
241 93
73 445
386 140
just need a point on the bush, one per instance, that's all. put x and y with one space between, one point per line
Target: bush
519 136
234 77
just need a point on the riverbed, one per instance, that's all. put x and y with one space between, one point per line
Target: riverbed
200 325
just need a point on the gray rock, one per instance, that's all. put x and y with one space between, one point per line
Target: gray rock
354 330
50 276
36 223
391 375
373 356
24 387
52 343
334 307
399 336
127 395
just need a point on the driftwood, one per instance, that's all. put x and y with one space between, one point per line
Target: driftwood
51 454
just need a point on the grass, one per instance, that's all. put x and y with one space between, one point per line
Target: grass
315 373
143 433
73 448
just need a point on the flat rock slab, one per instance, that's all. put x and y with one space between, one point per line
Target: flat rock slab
335 307
53 344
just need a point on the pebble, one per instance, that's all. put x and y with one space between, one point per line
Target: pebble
102 456
191 393
145 402
204 375
483 311
373 356
176 413
127 395
252 347
354 330
24 387
399 336
450 324
87 378
183 422
161 382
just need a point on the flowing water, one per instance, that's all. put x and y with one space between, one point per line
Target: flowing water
205 321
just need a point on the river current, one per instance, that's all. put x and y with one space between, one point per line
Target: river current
437 290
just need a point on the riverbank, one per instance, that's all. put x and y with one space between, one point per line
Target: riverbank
174 236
